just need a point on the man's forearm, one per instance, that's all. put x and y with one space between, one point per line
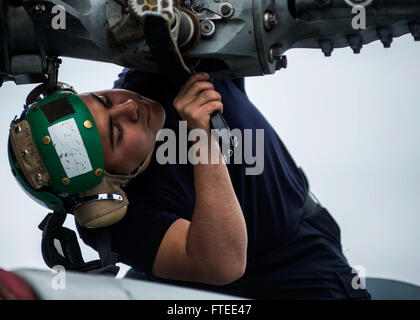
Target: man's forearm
217 237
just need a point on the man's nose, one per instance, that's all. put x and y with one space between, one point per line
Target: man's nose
126 110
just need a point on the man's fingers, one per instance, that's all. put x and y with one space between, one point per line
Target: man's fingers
195 90
212 107
202 76
205 97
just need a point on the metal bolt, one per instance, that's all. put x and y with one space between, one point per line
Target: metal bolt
39 7
356 43
187 4
275 53
415 31
226 10
24 153
282 63
198 6
208 28
38 177
270 20
327 47
385 35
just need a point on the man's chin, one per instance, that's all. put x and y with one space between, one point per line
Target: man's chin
145 164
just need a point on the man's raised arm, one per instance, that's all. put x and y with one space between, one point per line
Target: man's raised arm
212 247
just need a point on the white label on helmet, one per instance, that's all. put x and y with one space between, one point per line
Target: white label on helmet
70 148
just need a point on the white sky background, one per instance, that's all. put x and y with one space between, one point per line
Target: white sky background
350 121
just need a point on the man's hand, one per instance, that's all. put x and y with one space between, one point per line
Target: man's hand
197 101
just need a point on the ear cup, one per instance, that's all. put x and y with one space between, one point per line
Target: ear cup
89 216
102 213
105 212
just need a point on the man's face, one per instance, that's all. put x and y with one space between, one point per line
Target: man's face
128 124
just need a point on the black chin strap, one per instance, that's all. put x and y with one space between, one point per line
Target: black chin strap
70 256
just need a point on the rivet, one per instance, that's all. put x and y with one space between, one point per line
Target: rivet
275 53
208 28
65 181
88 124
99 172
46 140
270 20
38 177
18 129
24 153
227 10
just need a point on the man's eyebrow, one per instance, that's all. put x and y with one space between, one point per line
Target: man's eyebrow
111 127
102 102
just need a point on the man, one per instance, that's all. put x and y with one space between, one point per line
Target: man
213 226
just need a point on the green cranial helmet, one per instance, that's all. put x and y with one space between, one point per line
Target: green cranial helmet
54 148
56 155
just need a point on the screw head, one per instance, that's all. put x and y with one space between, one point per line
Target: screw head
208 28
198 5
270 20
275 53
226 10
282 63
40 7
88 124
46 140
326 47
